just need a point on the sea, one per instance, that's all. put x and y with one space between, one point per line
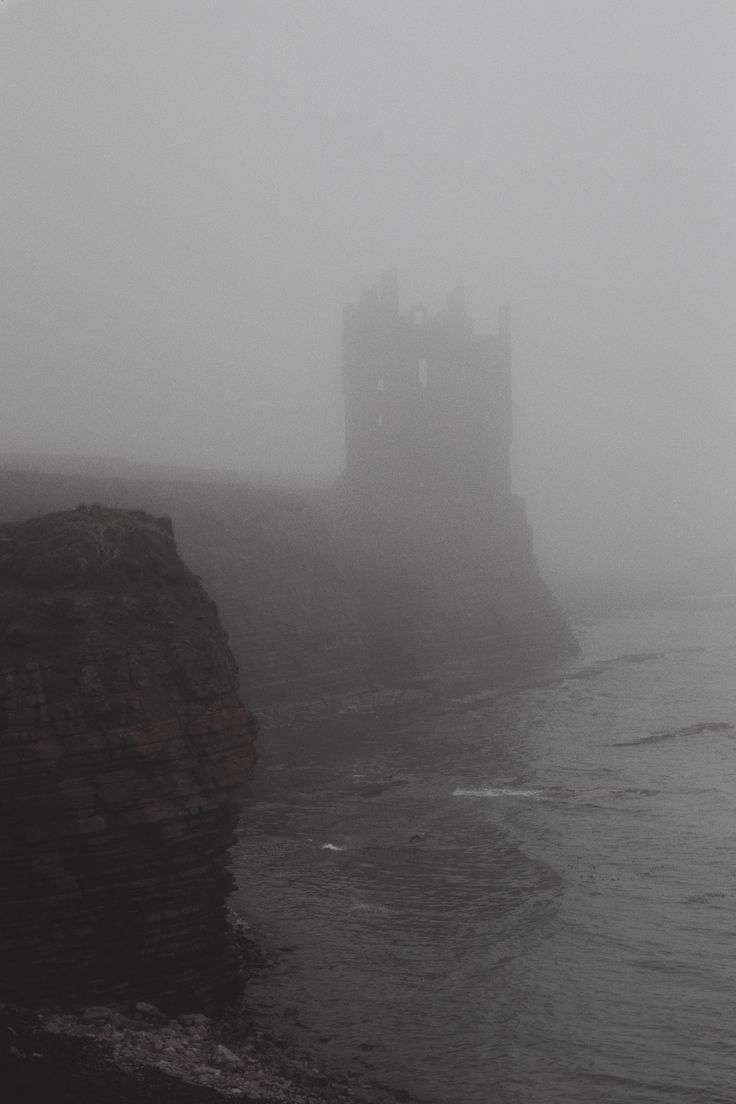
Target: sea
523 893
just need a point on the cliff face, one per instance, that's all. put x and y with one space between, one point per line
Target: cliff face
448 582
124 751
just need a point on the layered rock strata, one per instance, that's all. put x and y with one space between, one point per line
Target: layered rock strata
124 751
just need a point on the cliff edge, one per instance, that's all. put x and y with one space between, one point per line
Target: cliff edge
125 750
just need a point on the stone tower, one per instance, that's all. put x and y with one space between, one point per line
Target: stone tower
427 400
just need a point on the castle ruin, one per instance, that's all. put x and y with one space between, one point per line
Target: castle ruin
427 400
440 549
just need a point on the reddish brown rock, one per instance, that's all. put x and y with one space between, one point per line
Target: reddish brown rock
124 751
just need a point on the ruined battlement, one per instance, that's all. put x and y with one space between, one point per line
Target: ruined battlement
427 400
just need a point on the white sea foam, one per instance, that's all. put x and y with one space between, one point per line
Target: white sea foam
365 907
495 791
331 847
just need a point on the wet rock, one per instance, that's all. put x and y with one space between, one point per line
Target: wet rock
206 1071
149 1010
97 1014
194 1019
225 1057
125 1023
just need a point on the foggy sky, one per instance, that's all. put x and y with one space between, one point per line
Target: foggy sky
191 191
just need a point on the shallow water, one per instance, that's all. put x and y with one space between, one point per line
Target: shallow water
526 897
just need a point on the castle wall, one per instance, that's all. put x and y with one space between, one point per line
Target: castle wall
427 400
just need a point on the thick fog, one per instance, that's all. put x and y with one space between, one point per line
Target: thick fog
191 191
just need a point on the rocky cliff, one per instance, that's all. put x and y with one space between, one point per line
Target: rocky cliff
447 583
124 752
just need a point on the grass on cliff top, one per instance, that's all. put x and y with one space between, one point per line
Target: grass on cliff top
90 546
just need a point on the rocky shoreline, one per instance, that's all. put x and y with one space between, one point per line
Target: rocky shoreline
137 1054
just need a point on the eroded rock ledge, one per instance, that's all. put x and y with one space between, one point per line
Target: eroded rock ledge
124 750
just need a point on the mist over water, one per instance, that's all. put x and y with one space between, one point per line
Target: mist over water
526 896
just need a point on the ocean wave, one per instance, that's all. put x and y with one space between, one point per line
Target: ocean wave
494 791
671 734
367 908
